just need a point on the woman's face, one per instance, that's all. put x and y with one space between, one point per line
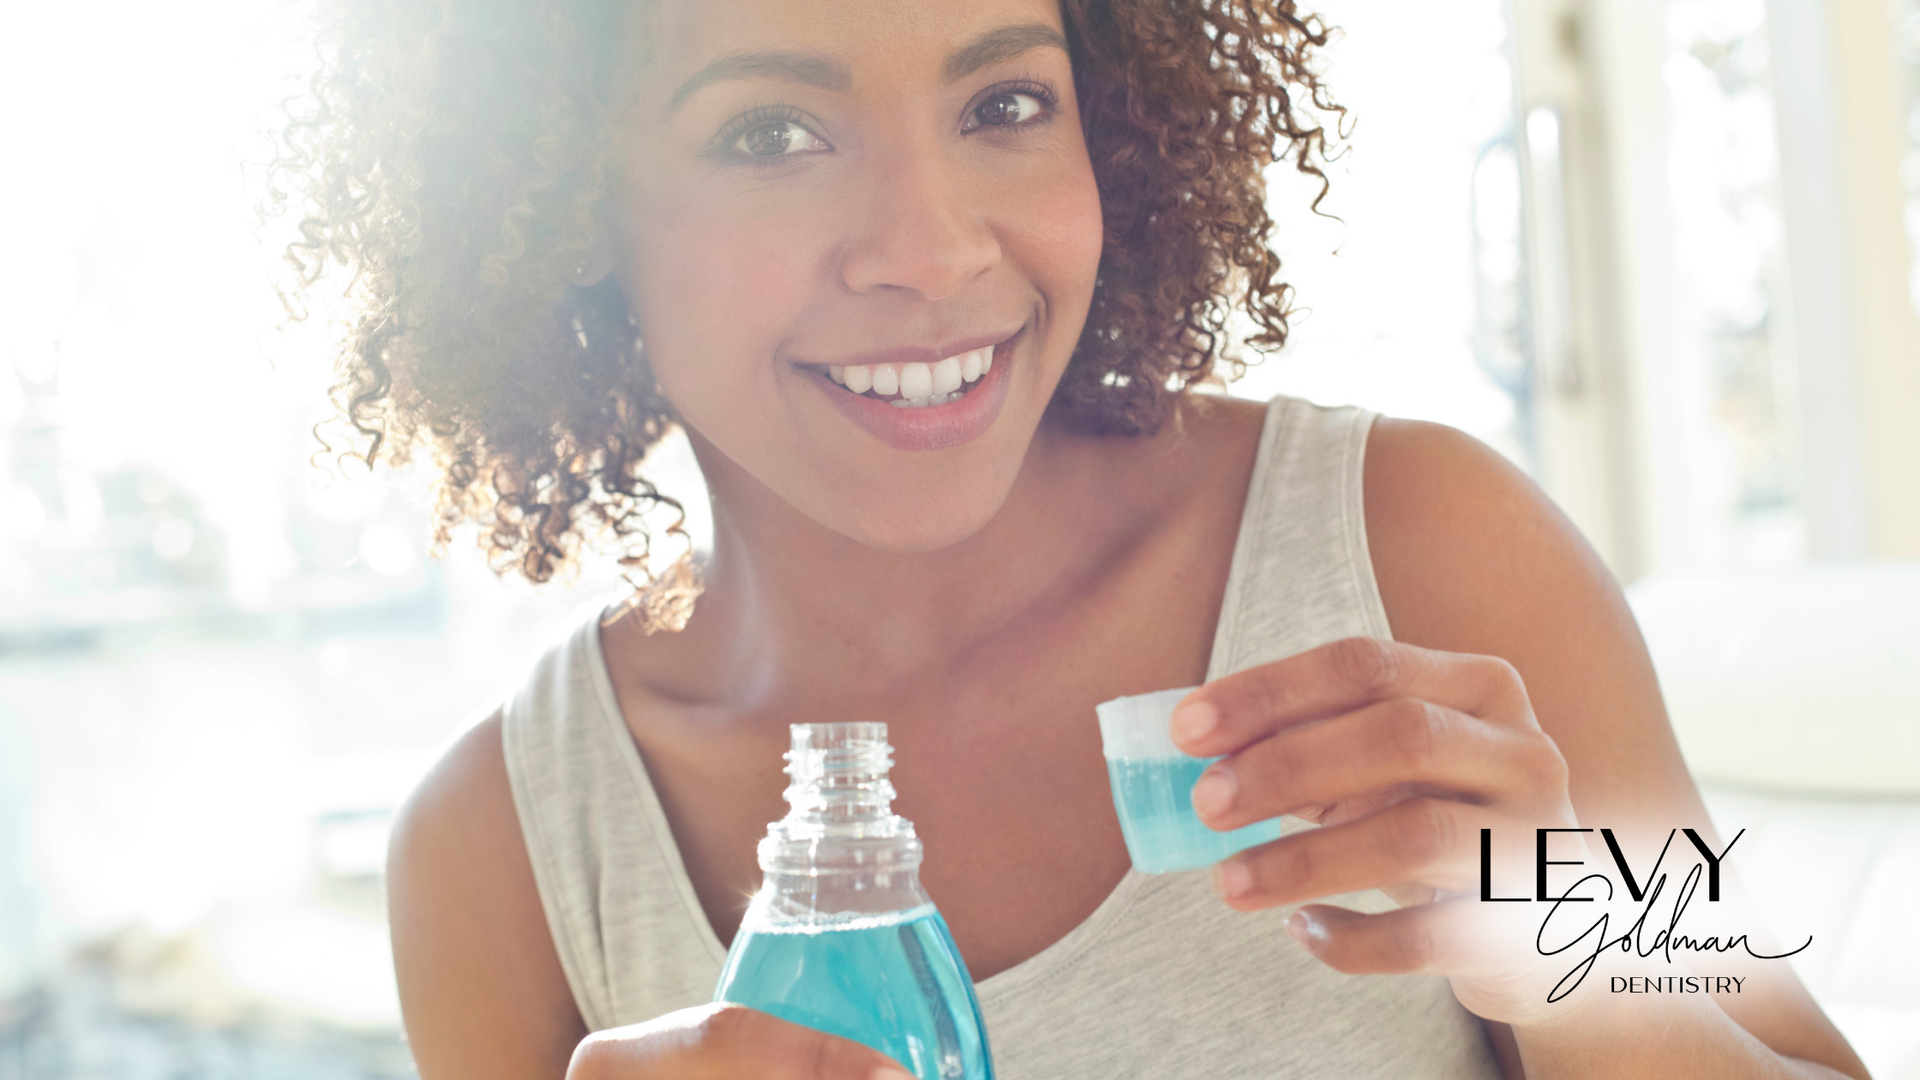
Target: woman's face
825 207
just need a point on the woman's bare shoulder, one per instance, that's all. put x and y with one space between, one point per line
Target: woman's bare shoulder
1449 519
481 987
1471 556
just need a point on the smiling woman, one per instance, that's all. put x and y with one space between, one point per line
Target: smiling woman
927 287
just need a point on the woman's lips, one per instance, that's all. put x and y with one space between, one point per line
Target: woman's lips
929 427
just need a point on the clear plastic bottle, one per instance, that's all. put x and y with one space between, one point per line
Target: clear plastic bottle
841 937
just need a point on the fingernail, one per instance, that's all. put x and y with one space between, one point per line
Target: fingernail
1213 792
888 1072
1232 879
1306 930
1194 720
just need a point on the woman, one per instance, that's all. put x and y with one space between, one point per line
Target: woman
928 285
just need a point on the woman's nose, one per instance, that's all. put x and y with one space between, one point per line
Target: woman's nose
923 229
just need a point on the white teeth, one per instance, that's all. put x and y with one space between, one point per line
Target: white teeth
946 375
916 381
917 384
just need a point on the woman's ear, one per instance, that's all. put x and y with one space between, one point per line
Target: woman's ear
597 263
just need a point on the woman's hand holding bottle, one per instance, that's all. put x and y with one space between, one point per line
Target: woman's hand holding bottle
726 1042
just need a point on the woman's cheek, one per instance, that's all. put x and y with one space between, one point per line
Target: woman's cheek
714 315
1056 236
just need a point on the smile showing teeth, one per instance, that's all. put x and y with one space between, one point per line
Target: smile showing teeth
918 386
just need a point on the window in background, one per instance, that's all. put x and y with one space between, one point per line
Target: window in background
1906 44
1732 373
1410 292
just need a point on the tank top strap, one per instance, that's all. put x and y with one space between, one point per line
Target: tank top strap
1301 574
626 923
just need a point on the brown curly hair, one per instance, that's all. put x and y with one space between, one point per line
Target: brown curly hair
453 156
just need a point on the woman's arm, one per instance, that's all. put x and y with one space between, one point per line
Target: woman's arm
480 983
1472 558
1516 697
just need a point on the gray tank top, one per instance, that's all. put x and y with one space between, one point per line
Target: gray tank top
1162 980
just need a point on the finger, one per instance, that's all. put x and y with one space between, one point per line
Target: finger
726 1042
1400 741
1442 938
1229 713
1432 842
1495 951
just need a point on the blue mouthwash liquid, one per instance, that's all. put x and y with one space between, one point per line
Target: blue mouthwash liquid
842 937
893 982
1154 797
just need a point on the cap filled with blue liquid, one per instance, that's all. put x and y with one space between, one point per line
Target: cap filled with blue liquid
841 936
1153 788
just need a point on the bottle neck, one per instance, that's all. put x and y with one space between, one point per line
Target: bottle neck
841 849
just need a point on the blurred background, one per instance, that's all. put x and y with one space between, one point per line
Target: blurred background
1664 254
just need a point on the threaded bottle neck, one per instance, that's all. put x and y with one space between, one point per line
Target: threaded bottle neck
840 806
838 775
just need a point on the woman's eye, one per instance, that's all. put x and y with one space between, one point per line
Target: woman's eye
1005 110
778 138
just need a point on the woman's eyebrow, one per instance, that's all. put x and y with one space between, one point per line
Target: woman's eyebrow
827 73
811 69
1002 44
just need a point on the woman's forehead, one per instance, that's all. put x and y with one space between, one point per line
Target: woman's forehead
830 41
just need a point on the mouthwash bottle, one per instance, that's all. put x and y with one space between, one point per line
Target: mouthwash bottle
841 937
